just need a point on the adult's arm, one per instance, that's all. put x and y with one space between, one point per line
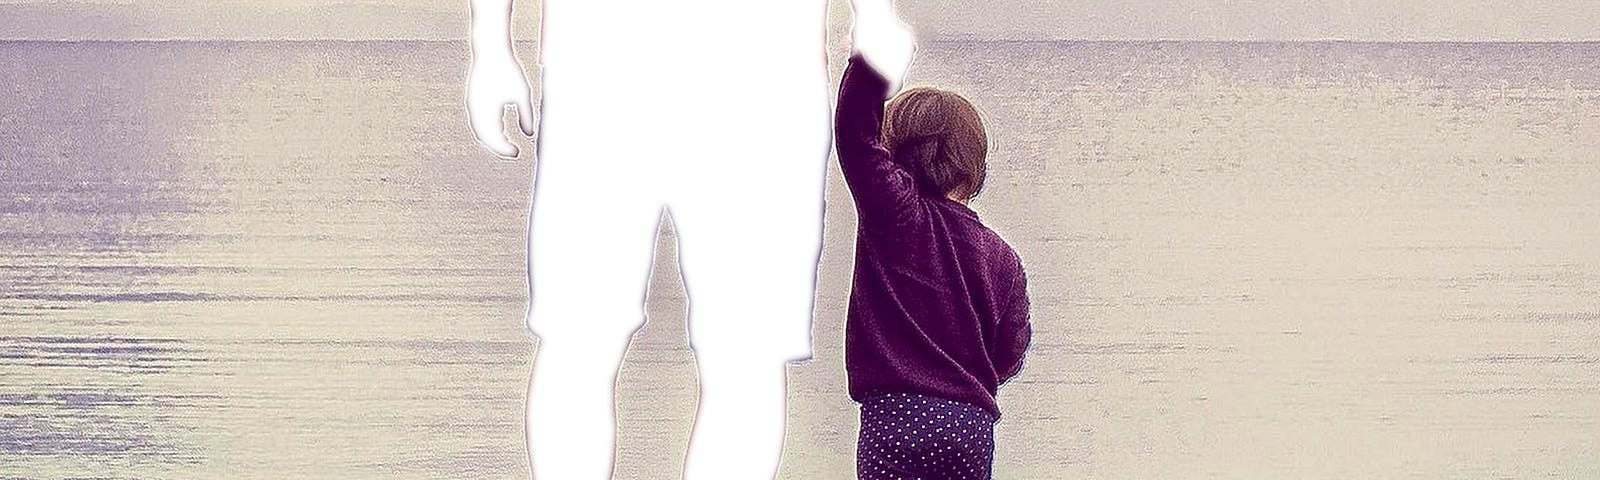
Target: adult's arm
497 79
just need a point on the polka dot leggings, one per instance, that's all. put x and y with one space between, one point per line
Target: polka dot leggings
917 437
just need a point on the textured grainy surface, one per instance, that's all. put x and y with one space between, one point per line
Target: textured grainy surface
287 260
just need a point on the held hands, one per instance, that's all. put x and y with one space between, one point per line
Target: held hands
497 80
883 40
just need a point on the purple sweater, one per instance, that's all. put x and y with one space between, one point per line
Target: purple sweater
939 305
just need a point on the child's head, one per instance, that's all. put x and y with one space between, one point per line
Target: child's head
938 136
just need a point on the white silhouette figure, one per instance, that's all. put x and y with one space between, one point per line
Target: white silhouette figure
717 109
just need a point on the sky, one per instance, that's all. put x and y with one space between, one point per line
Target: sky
1358 20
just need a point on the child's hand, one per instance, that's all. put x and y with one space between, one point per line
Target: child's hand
497 80
883 40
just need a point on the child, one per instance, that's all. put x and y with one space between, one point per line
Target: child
938 313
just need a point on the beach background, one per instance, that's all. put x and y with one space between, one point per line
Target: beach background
287 259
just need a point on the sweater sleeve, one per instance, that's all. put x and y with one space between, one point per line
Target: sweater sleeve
1014 332
885 194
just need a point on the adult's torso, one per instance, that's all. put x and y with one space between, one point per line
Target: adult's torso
658 44
687 92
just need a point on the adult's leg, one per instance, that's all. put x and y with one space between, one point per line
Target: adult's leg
749 254
749 315
591 233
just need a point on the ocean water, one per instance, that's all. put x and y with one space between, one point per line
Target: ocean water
234 260
1326 260
1298 260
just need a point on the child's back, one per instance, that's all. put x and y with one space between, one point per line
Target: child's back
938 307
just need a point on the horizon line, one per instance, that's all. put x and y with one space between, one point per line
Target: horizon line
951 39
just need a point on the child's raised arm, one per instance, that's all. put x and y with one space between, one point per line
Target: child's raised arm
882 49
884 193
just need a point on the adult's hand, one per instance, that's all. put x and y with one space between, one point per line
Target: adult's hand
497 79
885 42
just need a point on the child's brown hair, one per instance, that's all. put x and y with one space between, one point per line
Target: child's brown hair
939 137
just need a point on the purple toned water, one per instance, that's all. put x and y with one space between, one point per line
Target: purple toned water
288 260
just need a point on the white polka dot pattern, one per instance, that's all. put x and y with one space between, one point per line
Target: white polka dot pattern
918 437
